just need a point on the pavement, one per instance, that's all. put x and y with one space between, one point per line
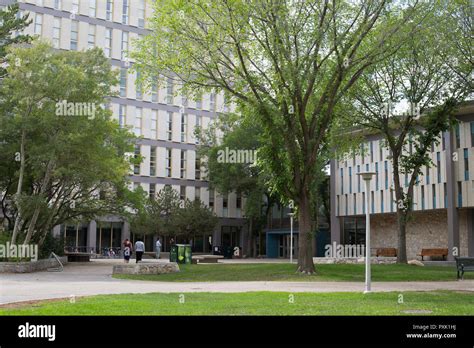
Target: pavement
95 278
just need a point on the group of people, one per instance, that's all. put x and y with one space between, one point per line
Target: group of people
139 249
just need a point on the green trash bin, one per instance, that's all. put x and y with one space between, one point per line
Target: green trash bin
181 253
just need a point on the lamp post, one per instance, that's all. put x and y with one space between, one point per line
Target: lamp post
367 177
291 231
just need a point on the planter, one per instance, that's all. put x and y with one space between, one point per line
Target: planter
30 266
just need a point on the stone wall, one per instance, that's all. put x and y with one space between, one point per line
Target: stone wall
427 229
29 267
146 268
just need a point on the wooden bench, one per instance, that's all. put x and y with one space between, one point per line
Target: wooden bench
78 257
433 252
206 258
387 252
464 264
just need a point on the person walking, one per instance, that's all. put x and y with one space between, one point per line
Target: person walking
158 248
127 250
139 249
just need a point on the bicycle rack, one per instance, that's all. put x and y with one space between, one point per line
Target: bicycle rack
56 269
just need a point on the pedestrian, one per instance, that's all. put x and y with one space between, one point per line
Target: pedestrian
127 250
158 248
139 249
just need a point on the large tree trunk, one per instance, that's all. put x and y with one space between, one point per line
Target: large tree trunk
16 227
402 236
305 238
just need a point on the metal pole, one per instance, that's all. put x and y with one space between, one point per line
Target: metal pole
291 238
367 237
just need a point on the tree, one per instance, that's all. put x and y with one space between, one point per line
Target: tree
291 61
11 22
195 218
431 75
63 163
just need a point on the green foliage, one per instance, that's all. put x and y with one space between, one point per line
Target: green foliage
195 218
51 244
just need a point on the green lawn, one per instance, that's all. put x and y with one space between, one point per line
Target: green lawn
286 272
256 303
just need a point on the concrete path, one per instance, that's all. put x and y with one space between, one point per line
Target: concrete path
95 278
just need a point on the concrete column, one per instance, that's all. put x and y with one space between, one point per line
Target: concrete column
470 233
126 230
453 214
335 222
56 230
92 234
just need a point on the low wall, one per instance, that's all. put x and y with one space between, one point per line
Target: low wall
29 267
146 268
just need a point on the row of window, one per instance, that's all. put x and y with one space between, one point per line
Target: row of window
168 163
392 208
110 7
427 176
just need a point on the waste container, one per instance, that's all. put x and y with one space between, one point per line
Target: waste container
181 253
227 252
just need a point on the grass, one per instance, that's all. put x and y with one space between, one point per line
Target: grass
255 303
286 272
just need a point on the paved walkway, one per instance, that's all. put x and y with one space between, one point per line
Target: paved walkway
95 278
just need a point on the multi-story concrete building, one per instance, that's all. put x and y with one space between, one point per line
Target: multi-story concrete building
443 196
164 121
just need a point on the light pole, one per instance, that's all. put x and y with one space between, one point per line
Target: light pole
367 177
291 231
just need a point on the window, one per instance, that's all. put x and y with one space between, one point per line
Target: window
211 198
169 128
92 8
225 204
472 134
154 123
141 13
391 201
371 151
139 89
354 201
56 32
184 127
238 201
75 6
428 179
342 181
91 36
138 121
385 164
124 45
443 141
198 125
438 166
372 202
346 203
358 178
123 82
197 193
152 191
362 152
182 174
154 91
212 102
433 189
108 42
466 164
122 115
422 197
199 102
182 193
38 24
458 136
152 161
459 194
381 201
168 160
136 168
380 150
350 179
58 4
169 91
376 176
109 10
125 7
363 202
197 167
74 35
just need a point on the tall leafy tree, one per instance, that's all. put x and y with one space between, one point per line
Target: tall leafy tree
291 61
62 163
194 219
410 99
